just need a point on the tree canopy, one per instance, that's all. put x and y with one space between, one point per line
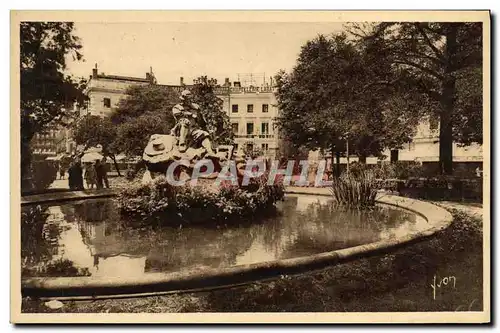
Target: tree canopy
338 91
146 110
91 131
443 63
46 91
373 85
211 107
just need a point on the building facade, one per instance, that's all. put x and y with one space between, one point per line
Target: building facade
105 91
50 142
252 112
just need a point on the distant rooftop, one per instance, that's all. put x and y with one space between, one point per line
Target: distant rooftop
122 78
226 88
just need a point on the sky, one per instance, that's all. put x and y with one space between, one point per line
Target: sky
173 49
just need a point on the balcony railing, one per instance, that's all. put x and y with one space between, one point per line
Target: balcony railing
242 90
252 136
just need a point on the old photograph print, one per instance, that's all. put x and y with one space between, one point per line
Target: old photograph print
205 166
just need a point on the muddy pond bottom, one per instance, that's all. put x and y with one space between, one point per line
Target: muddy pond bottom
90 238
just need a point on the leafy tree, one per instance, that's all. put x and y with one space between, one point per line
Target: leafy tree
443 63
132 136
331 97
45 90
91 131
211 107
146 110
146 99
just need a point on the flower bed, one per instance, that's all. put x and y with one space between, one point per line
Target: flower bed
203 203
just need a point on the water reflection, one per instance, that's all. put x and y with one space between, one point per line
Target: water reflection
95 238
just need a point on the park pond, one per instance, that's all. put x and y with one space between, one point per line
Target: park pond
91 238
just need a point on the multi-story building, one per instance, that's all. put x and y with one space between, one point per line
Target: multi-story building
425 147
50 142
252 111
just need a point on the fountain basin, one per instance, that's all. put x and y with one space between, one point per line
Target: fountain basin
205 277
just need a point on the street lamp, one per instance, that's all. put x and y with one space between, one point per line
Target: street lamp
346 135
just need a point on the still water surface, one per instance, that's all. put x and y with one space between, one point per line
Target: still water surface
90 238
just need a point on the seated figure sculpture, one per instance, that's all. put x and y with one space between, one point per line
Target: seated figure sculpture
187 143
188 116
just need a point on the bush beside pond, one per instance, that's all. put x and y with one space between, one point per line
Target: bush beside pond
204 202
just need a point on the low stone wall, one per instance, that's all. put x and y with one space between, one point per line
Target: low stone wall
66 196
203 279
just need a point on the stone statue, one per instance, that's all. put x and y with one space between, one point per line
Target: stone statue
187 143
190 126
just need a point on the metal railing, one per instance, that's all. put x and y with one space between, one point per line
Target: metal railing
251 136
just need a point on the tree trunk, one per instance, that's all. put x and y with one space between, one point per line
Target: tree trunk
26 183
394 155
337 160
116 164
332 165
362 159
448 104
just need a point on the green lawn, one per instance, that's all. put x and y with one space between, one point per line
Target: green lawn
400 281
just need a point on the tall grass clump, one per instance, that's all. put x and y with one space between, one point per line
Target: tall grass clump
355 190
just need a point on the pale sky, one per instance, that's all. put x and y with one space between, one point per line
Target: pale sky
192 49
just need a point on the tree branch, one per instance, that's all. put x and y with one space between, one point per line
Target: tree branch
386 82
422 68
429 42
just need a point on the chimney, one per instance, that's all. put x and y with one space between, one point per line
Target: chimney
94 72
182 81
237 84
227 83
148 77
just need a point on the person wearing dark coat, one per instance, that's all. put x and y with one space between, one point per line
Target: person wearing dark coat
79 176
101 173
75 179
71 176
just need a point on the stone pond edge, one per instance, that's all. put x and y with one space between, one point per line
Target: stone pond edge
67 288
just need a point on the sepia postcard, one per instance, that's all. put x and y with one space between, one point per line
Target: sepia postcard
250 167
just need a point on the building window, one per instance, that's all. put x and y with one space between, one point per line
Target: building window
250 108
249 128
264 128
234 108
235 128
265 108
107 102
265 146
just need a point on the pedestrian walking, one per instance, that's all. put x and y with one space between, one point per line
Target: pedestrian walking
62 171
90 176
71 175
102 173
